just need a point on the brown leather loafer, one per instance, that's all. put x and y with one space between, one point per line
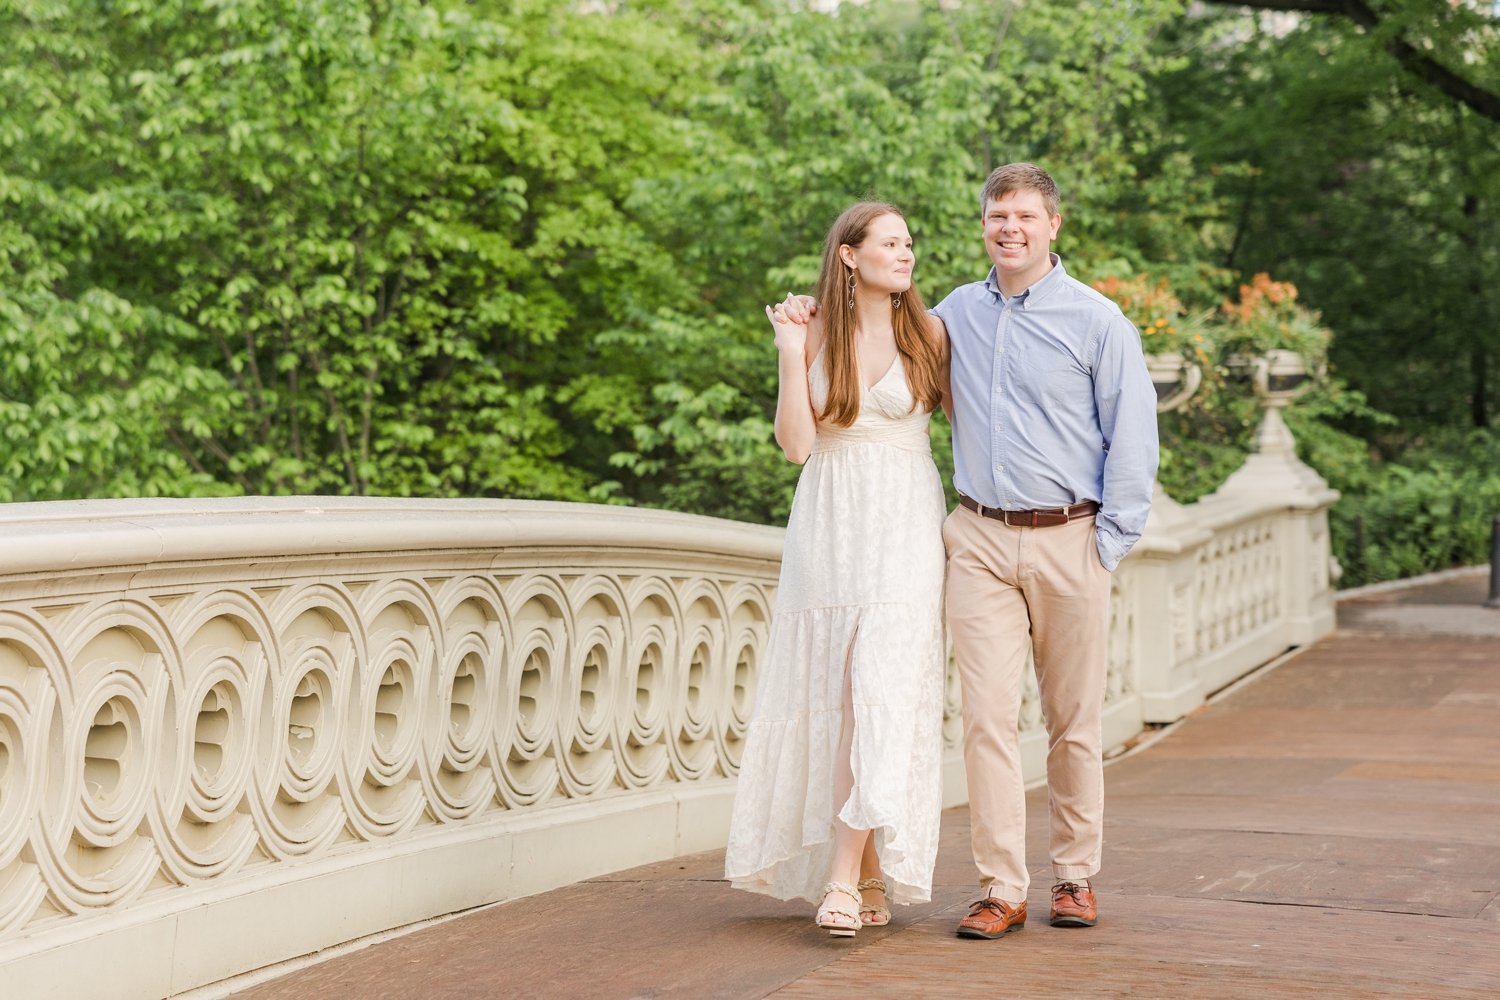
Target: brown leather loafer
991 918
1073 905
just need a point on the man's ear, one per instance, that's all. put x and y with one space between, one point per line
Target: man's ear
1056 225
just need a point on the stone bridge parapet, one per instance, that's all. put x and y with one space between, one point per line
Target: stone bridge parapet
233 732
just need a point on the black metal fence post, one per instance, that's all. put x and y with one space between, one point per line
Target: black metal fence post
1494 601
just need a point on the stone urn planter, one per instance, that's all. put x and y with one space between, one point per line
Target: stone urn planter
1174 378
1282 375
1278 376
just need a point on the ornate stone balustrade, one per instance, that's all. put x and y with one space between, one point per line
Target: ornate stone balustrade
234 732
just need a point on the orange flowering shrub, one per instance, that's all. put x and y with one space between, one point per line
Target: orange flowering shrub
1266 317
1165 324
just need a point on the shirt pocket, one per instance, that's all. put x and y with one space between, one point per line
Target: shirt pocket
1067 384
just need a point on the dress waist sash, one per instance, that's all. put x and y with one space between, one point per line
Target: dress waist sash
905 437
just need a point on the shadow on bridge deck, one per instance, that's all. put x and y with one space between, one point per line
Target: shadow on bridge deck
1328 828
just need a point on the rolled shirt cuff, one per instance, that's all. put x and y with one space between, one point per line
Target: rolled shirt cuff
1112 546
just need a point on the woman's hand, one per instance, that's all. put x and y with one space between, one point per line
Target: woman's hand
791 334
796 423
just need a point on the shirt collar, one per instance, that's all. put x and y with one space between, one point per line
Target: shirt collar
1035 292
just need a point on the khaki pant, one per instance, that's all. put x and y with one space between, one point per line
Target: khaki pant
1005 586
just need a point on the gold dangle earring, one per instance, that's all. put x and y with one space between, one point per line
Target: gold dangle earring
896 301
853 282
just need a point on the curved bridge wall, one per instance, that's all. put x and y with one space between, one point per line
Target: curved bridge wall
235 732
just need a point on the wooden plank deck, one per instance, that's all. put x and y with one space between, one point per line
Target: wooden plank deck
1329 829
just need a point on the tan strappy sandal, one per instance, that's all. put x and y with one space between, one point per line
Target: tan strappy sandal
873 914
838 920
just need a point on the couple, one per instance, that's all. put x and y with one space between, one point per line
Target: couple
1055 449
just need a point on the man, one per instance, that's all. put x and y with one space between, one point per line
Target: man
1055 449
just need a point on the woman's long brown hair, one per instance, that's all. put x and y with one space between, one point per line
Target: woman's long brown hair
919 355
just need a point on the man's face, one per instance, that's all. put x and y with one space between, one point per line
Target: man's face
1018 235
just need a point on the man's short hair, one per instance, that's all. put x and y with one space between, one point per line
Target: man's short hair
1019 177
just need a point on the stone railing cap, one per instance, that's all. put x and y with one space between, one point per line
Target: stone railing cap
97 534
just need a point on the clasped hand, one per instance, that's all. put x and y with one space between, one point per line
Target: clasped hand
789 318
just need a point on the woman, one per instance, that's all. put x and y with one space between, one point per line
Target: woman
839 788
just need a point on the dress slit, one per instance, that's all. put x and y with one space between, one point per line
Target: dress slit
848 717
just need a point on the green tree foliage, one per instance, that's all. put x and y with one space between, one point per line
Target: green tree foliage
521 247
1376 186
89 372
516 248
1447 45
912 103
1434 509
363 247
1389 222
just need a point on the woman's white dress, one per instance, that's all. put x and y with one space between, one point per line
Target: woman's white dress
862 578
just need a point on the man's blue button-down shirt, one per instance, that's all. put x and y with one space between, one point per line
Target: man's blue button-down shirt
1052 403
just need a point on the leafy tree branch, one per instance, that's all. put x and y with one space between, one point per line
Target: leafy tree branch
1418 61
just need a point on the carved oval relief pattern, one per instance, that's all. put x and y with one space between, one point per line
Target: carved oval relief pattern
190 732
183 734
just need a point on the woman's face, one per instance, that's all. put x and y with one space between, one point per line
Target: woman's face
884 260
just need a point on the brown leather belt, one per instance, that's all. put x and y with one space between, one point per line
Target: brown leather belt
1048 517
